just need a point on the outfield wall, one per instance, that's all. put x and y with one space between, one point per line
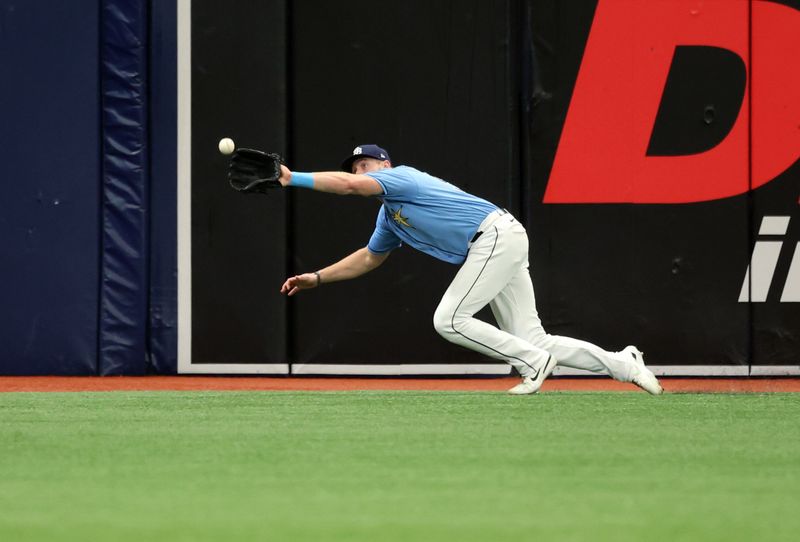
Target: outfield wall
651 148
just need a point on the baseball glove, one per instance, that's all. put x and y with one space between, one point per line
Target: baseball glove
250 170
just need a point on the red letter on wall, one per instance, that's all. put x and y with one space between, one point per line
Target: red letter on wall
602 155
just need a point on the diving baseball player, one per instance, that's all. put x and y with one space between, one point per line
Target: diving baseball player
491 247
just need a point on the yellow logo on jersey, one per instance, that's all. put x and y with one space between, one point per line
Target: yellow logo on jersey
398 217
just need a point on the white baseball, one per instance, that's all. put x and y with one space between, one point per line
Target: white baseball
226 145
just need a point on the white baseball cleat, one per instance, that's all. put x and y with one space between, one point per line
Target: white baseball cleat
642 376
531 384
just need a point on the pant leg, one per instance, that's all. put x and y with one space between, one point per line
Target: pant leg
514 309
491 264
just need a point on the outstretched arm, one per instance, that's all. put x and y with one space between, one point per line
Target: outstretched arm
336 182
356 264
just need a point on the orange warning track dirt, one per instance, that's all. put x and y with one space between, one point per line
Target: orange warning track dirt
233 383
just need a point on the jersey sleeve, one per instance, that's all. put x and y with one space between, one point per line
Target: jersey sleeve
383 240
396 182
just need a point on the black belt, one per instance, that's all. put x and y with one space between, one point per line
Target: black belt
479 233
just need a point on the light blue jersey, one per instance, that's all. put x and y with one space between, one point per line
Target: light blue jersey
426 213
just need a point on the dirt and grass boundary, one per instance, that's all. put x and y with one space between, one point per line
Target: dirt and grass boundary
284 383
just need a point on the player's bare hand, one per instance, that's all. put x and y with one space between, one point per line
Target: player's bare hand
299 282
286 175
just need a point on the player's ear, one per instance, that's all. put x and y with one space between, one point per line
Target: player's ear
386 164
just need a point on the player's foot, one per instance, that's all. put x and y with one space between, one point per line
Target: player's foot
642 376
531 384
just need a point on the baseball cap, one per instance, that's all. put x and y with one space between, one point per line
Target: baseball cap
362 151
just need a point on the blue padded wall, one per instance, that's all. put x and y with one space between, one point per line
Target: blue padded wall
49 212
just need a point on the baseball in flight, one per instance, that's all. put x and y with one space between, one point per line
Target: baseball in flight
226 145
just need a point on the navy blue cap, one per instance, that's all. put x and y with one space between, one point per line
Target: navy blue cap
364 151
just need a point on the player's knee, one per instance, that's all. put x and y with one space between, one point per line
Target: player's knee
443 322
449 323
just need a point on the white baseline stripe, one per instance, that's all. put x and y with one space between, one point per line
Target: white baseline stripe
236 368
410 369
775 370
700 370
499 370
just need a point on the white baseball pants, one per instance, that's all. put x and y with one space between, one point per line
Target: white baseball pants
496 273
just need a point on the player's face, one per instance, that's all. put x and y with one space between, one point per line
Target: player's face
365 165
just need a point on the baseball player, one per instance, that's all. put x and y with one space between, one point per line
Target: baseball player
491 247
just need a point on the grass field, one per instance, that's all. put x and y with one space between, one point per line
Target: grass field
398 466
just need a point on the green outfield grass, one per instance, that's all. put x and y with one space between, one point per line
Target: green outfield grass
152 466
